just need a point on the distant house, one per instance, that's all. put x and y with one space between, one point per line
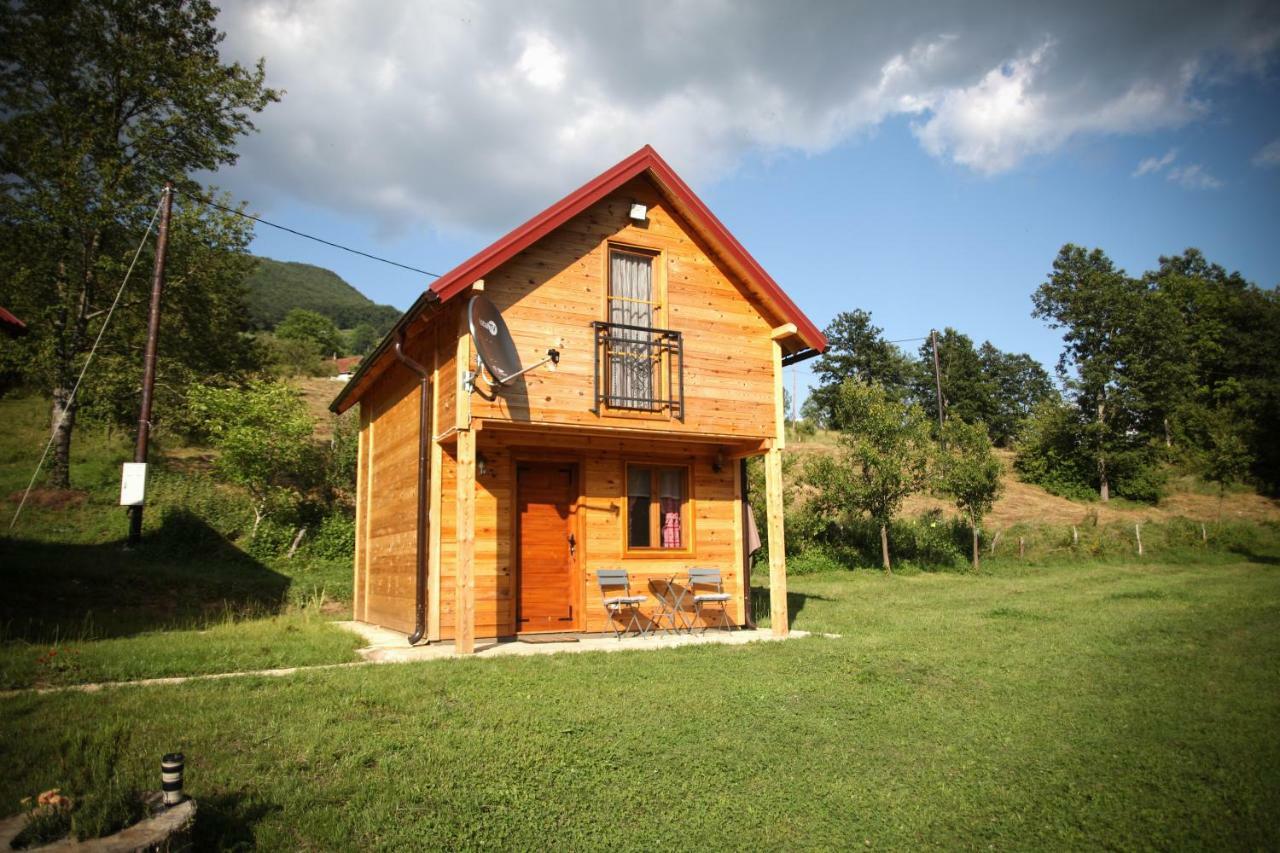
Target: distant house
11 325
345 367
631 454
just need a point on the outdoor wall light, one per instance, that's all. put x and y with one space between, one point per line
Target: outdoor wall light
482 465
639 212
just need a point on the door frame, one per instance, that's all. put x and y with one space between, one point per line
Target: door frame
532 456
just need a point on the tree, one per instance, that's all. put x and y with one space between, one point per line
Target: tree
362 339
885 455
1019 384
856 349
967 392
100 103
1096 305
969 472
263 437
303 325
1227 458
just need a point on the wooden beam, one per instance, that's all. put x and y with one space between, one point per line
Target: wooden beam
464 611
779 410
362 513
464 367
786 330
367 552
435 516
777 543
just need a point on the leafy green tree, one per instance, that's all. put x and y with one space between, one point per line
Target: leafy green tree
885 455
203 334
100 103
263 437
1227 458
1018 384
969 472
967 392
303 325
1096 306
857 350
362 339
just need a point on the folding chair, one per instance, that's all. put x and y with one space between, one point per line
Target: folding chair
707 587
615 589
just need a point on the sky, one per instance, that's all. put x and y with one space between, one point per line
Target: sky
920 161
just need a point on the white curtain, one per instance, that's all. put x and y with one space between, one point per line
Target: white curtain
630 364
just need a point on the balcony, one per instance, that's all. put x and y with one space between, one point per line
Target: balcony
638 369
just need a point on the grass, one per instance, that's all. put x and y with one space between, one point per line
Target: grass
1125 706
235 645
77 607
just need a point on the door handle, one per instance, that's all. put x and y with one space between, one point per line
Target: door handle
573 544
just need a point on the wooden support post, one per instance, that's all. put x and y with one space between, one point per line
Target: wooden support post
464 610
779 411
777 543
1137 532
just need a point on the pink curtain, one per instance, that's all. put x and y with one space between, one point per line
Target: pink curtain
670 508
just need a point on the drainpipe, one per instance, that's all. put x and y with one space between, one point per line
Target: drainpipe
424 437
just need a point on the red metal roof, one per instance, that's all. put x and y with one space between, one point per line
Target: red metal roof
11 323
645 160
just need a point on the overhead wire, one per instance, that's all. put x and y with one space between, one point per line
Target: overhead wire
92 350
224 208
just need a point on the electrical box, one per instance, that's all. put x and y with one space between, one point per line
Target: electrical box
133 484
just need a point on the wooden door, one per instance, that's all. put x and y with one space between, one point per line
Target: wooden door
546 530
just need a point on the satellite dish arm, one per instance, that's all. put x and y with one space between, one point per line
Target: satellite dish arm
553 356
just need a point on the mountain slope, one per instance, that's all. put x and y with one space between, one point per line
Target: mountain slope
274 287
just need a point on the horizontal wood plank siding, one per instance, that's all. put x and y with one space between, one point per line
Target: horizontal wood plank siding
601 460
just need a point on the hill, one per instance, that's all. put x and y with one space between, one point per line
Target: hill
274 287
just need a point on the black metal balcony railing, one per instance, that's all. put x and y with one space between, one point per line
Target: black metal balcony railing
638 368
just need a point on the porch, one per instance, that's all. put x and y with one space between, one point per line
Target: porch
389 646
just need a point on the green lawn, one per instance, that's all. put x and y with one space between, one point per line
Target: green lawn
1131 706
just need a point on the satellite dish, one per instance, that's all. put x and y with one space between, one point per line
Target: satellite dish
495 350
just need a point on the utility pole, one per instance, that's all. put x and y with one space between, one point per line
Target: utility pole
149 357
937 374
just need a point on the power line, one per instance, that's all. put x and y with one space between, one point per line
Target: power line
906 340
294 231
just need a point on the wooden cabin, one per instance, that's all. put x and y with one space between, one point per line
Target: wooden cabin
488 514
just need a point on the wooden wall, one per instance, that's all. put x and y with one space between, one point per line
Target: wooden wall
387 480
551 293
549 296
716 520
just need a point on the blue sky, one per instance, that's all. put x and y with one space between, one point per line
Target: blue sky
941 201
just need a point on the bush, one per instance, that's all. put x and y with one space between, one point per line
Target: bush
335 538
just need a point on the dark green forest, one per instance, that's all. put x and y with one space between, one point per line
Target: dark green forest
274 287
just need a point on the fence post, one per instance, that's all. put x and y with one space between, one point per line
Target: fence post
1137 532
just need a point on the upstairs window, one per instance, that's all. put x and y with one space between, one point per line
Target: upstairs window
632 354
657 507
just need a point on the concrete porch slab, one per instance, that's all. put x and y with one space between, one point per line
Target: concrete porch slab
387 646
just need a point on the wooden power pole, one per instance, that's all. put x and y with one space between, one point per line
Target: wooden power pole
149 357
937 374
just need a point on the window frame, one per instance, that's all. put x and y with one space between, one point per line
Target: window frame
658 291
687 511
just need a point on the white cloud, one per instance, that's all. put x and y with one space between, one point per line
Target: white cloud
464 114
1193 177
1268 156
1155 164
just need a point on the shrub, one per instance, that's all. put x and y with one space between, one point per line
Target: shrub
335 538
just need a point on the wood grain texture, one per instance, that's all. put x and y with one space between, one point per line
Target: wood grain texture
715 502
465 581
777 547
